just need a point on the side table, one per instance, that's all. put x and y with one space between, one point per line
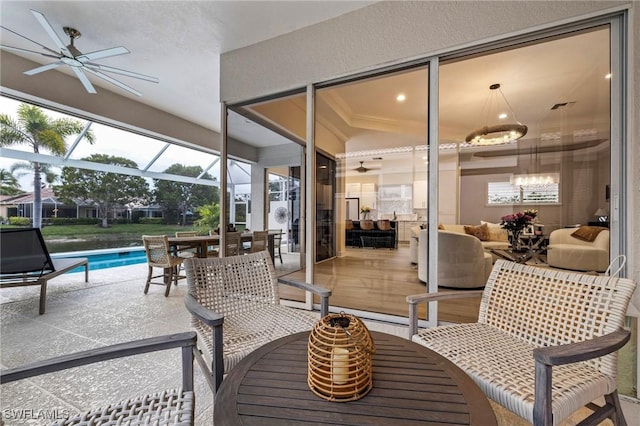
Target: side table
412 385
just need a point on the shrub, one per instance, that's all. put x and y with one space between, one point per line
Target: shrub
19 221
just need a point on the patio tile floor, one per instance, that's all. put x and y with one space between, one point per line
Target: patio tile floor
111 308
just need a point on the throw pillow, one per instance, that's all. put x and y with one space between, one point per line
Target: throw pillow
496 232
441 227
588 233
481 232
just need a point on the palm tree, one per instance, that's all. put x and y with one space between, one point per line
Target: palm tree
37 130
9 183
46 171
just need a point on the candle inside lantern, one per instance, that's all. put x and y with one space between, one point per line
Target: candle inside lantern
340 365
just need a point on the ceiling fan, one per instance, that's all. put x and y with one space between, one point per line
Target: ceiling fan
362 168
80 63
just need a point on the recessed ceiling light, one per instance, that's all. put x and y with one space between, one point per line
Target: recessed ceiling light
502 116
608 76
401 97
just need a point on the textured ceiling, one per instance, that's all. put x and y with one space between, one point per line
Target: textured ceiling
177 41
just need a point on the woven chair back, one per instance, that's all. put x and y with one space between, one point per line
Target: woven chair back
233 244
186 234
233 285
157 250
259 241
548 307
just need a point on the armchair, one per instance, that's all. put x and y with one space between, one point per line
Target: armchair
462 262
172 407
568 252
545 342
235 308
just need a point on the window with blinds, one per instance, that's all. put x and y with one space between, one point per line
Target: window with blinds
508 193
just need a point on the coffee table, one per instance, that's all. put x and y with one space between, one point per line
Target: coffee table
412 385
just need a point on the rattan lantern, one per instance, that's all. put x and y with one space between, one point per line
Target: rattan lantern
340 358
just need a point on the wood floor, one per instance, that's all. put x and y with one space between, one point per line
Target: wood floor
379 281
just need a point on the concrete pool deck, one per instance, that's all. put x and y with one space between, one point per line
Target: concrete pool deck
111 308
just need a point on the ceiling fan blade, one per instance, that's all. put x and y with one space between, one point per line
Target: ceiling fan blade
84 80
113 81
18 49
52 34
44 68
32 41
101 54
98 67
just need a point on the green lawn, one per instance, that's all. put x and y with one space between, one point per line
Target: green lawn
66 238
73 231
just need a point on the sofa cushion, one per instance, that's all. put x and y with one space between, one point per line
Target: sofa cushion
496 232
481 232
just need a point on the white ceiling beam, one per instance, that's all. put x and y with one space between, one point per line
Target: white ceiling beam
83 164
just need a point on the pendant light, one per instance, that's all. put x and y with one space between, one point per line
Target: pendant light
499 133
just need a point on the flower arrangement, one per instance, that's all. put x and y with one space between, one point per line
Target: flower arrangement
518 221
365 210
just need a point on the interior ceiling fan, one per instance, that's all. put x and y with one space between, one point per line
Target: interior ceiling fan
79 62
362 168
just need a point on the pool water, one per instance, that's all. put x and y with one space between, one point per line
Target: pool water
107 258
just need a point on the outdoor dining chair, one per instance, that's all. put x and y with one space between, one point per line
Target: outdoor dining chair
259 241
159 256
233 244
235 308
168 407
277 244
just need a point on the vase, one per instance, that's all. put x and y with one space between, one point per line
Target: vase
514 238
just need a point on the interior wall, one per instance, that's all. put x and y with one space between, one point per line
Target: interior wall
378 35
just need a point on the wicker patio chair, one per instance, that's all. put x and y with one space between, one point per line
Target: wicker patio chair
277 244
235 309
545 344
169 407
159 256
259 241
186 251
233 244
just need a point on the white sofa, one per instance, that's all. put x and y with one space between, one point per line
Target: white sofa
462 261
567 252
497 235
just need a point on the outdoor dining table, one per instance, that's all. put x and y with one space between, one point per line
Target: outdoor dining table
202 242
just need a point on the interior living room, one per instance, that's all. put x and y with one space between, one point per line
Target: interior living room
376 125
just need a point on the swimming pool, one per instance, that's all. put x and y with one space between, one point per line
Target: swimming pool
107 258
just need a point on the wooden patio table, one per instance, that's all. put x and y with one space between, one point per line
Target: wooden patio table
412 385
202 242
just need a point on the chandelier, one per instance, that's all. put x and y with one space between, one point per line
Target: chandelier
497 134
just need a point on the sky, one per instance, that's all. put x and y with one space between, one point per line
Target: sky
111 141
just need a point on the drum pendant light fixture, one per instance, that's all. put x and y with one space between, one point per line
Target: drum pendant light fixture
499 133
